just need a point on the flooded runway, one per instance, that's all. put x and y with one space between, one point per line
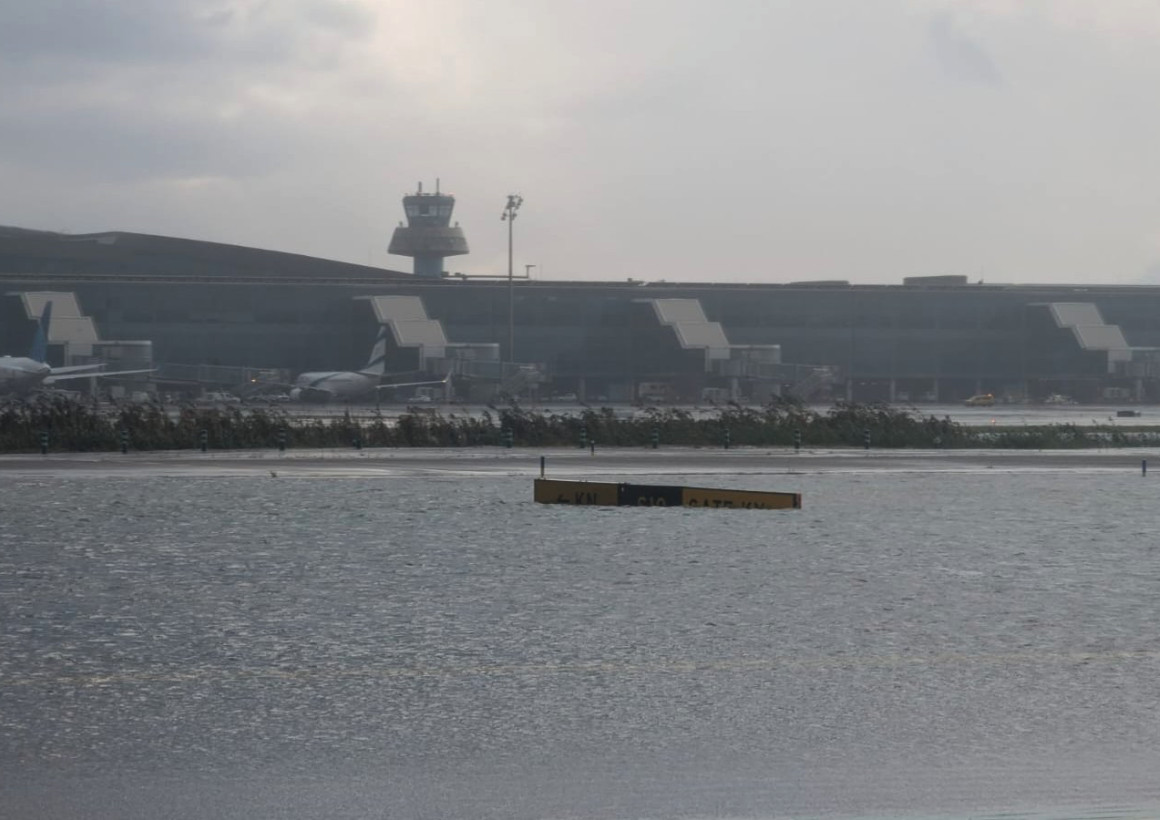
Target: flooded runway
406 634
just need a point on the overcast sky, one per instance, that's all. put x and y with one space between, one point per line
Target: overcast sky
736 140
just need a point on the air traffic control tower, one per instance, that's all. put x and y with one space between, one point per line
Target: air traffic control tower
428 235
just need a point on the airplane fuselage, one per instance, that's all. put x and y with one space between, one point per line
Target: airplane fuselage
342 385
22 373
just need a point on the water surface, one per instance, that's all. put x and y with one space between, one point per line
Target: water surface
912 643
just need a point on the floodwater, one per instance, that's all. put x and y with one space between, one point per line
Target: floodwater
931 636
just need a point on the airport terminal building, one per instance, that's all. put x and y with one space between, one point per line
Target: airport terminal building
209 315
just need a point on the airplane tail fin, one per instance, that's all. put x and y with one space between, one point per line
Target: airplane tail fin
377 364
39 351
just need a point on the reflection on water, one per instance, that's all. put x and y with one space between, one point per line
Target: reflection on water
909 643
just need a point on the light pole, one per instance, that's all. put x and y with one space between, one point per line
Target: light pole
514 201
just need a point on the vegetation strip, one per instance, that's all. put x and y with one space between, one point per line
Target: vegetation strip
60 424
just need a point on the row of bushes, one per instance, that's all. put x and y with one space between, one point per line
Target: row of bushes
77 426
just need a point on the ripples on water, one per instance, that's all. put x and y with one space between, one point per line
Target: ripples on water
425 647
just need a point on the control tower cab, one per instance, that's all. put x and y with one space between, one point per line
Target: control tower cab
428 235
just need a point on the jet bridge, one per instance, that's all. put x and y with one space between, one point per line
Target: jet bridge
70 329
726 363
1090 330
412 329
76 335
406 317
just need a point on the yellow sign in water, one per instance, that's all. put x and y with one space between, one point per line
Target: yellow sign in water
740 499
549 491
585 493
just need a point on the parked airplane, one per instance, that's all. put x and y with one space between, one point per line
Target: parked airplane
22 374
351 385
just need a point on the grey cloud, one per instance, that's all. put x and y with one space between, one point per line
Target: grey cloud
150 32
120 145
163 74
959 56
88 30
341 17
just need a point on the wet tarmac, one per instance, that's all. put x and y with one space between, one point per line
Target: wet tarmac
573 462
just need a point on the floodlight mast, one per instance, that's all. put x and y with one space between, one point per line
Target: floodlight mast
514 201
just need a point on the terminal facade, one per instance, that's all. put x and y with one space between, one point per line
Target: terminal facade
205 313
